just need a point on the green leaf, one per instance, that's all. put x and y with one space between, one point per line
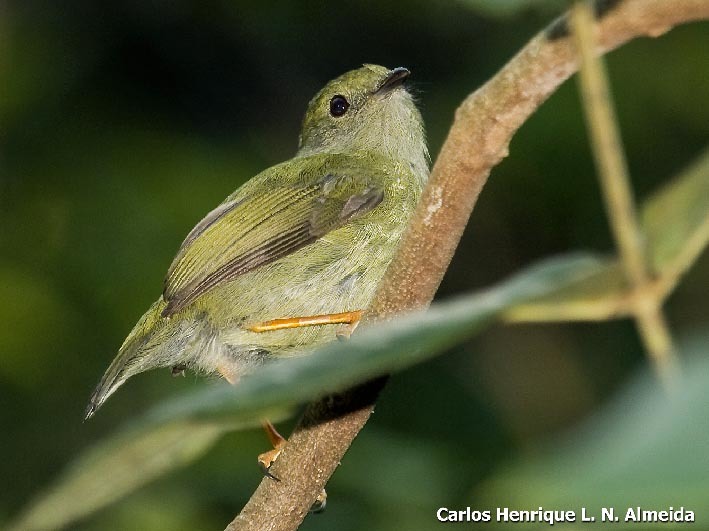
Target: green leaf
181 429
676 219
116 467
376 350
644 449
676 225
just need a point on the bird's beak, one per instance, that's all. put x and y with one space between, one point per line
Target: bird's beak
394 78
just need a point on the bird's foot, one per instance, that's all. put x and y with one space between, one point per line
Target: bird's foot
320 503
266 459
178 370
345 331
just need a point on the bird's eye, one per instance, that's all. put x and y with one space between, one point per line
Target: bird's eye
339 106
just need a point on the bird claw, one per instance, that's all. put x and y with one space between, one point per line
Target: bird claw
345 331
266 460
320 503
178 370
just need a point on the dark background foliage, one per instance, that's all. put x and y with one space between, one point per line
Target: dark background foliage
122 123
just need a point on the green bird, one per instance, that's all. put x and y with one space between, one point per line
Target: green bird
297 249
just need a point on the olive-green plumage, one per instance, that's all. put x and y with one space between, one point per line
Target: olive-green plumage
312 235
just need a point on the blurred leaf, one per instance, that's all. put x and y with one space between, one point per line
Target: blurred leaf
504 8
117 466
182 429
376 350
676 223
644 449
676 219
598 297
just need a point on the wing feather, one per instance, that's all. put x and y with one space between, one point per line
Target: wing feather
242 235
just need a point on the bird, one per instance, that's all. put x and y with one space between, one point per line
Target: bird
292 258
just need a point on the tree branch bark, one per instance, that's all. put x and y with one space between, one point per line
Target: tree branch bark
478 140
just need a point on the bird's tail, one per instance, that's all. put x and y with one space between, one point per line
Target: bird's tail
146 347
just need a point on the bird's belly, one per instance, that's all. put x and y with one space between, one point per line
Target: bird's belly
322 279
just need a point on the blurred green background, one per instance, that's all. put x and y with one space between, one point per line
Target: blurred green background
123 123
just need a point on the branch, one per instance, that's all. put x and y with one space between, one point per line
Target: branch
478 140
607 146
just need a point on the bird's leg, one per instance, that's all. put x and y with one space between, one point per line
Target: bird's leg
349 319
320 502
267 459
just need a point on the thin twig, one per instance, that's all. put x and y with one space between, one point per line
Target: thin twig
674 245
618 195
479 138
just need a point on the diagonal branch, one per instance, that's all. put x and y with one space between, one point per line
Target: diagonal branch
478 140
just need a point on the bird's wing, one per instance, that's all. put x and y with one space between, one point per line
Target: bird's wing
241 235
